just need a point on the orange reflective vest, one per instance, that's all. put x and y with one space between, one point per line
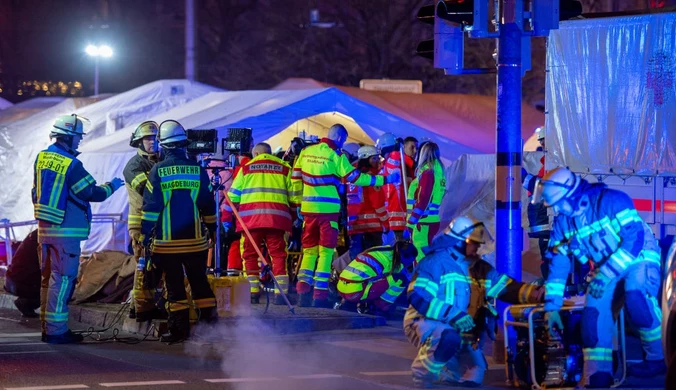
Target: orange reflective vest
365 209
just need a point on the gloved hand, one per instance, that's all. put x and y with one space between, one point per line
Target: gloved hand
406 234
553 320
145 240
598 285
393 178
464 323
135 235
226 226
116 183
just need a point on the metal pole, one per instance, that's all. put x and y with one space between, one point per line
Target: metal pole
96 75
190 40
8 241
404 184
217 248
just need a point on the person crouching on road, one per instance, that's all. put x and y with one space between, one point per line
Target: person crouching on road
451 308
264 197
176 204
378 275
366 213
62 192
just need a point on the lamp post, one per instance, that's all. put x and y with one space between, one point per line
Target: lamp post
96 52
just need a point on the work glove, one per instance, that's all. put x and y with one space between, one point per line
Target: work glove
393 178
116 183
464 323
553 319
598 285
406 235
226 226
135 235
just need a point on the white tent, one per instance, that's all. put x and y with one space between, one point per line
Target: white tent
5 104
21 140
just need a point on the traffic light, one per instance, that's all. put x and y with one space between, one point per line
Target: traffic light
470 14
446 49
546 14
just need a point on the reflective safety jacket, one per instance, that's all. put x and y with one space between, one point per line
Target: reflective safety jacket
62 192
609 233
538 218
446 285
366 208
176 201
318 173
135 178
396 201
370 266
425 195
263 194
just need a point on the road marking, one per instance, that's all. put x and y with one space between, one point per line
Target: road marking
316 376
25 352
146 383
10 319
12 335
14 344
387 373
49 387
239 380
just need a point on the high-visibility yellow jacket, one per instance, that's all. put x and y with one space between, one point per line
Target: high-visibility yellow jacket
263 194
318 173
425 195
176 202
62 190
135 178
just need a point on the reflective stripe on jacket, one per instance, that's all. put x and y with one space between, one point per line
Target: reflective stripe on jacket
176 201
263 194
365 208
62 190
369 266
396 201
319 171
425 195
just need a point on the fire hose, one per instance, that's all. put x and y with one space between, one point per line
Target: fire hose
259 253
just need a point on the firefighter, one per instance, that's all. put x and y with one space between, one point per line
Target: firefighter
378 275
62 192
424 198
599 225
263 195
396 200
176 204
366 213
144 139
538 219
452 308
318 172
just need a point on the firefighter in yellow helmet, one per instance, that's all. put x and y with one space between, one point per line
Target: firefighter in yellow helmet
62 192
144 139
177 205
318 172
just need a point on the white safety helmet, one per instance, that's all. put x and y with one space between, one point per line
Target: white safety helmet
556 185
367 151
351 148
540 132
67 125
468 229
386 140
145 129
171 133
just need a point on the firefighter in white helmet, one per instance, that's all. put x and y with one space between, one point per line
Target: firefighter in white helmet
177 203
600 225
62 192
144 140
452 306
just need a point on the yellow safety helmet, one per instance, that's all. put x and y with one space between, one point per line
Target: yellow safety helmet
557 184
145 129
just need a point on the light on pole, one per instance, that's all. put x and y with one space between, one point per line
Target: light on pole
96 52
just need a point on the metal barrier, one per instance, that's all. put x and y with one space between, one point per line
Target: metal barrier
8 227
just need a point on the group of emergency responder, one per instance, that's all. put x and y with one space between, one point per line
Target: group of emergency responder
451 290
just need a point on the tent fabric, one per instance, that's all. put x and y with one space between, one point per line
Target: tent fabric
21 140
611 94
5 104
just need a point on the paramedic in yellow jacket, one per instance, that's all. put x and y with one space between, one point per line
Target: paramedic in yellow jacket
62 191
318 171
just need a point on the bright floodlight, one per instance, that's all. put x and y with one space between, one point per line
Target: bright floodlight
92 50
105 51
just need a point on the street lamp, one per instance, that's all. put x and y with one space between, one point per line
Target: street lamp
96 52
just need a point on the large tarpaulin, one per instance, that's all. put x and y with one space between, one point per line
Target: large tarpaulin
610 95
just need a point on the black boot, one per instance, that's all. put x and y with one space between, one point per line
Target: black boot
279 300
178 325
172 338
27 307
67 338
305 300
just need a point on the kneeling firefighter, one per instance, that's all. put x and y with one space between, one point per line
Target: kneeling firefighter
451 307
378 275
176 204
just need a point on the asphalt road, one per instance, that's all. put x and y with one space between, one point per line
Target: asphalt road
225 358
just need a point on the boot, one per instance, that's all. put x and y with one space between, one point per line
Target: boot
421 383
279 300
305 300
178 325
322 303
67 338
172 338
26 308
255 299
647 369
